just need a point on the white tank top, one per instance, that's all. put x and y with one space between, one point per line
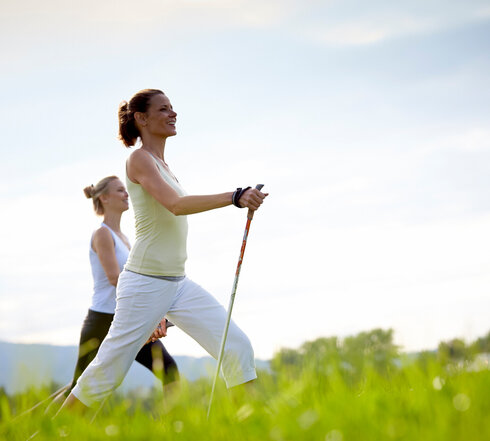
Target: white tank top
104 295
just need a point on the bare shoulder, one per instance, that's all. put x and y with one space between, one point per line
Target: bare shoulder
102 237
139 156
140 166
139 160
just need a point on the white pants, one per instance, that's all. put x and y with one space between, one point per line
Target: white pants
142 302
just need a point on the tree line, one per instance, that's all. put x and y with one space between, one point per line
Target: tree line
372 350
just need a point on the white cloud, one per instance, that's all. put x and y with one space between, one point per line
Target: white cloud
127 18
470 140
367 31
352 23
474 140
334 23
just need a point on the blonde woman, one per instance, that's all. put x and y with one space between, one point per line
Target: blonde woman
108 251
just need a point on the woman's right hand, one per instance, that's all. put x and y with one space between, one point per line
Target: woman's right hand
252 199
159 332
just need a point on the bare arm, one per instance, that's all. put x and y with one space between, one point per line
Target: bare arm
142 170
103 245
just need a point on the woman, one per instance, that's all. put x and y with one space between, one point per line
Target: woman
153 283
109 250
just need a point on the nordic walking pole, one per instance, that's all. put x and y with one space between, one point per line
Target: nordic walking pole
250 216
53 395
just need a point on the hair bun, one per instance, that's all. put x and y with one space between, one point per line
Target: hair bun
89 191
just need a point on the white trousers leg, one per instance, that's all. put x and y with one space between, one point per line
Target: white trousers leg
142 302
199 315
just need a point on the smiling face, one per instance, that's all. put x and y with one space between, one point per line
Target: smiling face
116 197
160 118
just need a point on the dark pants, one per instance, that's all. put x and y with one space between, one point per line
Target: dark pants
152 355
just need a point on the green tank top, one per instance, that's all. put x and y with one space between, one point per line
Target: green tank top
161 237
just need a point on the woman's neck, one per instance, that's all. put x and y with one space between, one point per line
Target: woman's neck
156 146
113 221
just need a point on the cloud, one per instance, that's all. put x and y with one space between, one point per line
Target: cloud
473 140
128 18
352 24
333 23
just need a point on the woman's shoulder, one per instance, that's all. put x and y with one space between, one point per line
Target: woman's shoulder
140 160
141 165
102 236
140 156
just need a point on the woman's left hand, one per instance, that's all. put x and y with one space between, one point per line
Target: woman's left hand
252 199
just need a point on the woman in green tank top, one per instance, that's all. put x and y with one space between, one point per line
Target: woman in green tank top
153 283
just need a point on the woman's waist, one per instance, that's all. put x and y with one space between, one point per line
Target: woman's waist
165 249
161 230
157 261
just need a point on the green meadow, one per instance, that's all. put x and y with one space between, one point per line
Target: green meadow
355 389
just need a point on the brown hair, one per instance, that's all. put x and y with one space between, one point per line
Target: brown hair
128 131
94 193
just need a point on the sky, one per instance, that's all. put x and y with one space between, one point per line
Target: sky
368 123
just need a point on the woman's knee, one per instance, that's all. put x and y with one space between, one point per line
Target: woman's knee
239 345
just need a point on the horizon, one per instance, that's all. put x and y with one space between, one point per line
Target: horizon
401 350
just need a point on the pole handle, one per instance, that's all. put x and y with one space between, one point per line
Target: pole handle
250 214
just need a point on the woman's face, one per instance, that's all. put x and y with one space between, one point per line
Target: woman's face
116 197
160 117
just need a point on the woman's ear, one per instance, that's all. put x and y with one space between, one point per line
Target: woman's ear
103 198
140 118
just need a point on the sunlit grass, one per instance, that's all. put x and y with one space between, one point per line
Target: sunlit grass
321 401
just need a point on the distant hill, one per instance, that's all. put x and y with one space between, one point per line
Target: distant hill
26 365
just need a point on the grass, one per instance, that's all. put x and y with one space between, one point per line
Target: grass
320 401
